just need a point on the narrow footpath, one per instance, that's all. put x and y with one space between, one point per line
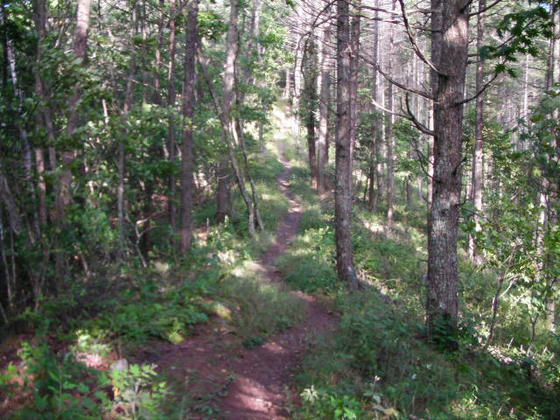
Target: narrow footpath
248 384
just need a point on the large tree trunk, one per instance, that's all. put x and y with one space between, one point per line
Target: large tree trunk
477 163
188 113
343 157
450 21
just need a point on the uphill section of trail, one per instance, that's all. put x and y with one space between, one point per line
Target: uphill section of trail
256 383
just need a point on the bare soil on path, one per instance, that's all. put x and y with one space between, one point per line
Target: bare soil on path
246 384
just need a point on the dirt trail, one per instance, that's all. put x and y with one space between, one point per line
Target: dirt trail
254 383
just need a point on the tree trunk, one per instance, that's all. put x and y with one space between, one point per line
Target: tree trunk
324 99
477 163
309 103
389 138
171 98
450 21
121 155
248 80
80 51
229 131
343 157
14 217
373 146
222 192
188 114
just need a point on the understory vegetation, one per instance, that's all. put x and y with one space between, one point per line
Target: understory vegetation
379 364
76 364
324 210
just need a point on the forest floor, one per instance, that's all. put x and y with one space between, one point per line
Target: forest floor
224 379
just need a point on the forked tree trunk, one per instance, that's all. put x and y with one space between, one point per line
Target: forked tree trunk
229 132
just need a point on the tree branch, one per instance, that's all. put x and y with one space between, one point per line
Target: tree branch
412 40
410 116
394 82
490 6
480 92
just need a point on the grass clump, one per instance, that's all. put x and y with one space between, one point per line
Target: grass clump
261 308
308 264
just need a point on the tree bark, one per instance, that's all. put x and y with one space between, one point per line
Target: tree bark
477 162
373 147
188 114
309 103
222 192
80 51
14 217
450 21
343 156
229 132
324 99
389 138
171 98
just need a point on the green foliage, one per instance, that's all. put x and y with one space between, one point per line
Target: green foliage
308 264
91 342
138 390
378 360
329 405
210 25
520 29
61 386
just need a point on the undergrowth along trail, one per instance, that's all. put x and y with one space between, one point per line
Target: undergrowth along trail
228 381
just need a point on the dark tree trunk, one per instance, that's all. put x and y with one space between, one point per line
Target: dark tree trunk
309 104
324 99
188 113
80 51
222 192
171 98
450 21
343 156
